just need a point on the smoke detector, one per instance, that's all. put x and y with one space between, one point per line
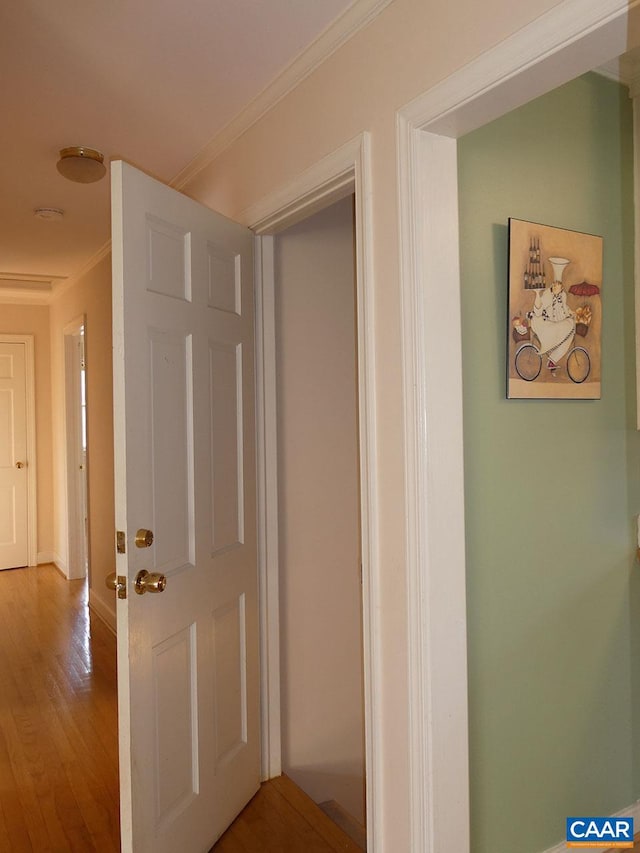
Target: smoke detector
48 213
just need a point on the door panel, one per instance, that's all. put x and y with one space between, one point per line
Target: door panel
175 702
225 286
13 450
170 451
188 676
231 680
227 498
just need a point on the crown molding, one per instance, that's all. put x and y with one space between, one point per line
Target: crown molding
26 288
35 280
354 19
17 296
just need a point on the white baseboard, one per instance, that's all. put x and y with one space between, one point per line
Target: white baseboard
103 611
45 557
60 563
632 811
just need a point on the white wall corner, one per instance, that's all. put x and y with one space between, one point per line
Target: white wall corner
45 557
105 613
61 564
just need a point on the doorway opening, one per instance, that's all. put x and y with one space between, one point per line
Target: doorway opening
76 448
343 176
503 78
319 526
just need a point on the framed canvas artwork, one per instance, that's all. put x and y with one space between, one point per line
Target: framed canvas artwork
554 338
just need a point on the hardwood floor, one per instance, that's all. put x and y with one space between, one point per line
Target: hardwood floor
283 819
59 744
58 723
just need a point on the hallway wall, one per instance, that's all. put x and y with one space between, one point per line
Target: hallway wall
552 486
91 296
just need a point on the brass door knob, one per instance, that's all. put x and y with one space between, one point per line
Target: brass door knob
149 582
19 464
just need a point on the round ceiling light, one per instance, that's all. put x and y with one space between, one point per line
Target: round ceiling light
82 165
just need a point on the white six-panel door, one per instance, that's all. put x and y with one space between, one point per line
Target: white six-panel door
13 456
188 678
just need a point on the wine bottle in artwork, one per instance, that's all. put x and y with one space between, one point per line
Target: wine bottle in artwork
534 277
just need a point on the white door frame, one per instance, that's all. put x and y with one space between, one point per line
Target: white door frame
569 40
75 540
32 510
342 173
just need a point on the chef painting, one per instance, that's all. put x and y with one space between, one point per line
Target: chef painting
554 344
551 319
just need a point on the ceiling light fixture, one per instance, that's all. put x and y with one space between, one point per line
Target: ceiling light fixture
82 165
48 213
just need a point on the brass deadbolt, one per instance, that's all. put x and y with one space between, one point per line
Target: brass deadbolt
144 538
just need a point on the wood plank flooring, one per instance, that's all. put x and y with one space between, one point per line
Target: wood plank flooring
59 744
58 718
283 819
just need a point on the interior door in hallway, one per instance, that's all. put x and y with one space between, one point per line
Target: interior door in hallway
13 456
188 679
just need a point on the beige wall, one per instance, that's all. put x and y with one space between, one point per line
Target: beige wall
90 296
411 46
320 615
34 320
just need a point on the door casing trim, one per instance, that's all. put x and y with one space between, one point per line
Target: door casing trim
74 549
341 173
568 40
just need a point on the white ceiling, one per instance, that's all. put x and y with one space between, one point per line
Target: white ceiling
148 81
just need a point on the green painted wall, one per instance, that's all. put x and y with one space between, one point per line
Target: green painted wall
551 489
